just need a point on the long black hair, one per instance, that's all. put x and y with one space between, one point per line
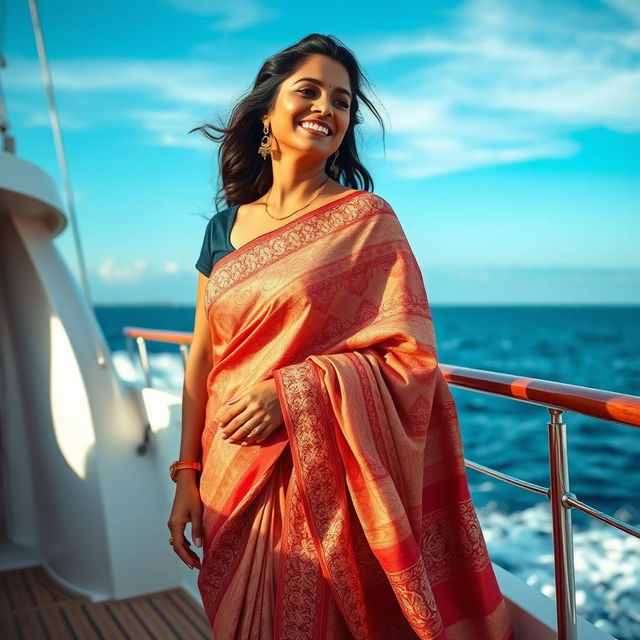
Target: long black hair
244 174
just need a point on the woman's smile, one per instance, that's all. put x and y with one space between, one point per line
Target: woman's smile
314 131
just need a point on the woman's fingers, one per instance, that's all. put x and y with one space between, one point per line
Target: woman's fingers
229 412
250 418
196 527
231 423
265 433
261 431
180 545
237 422
246 428
193 557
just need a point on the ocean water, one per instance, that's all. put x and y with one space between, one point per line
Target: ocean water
595 347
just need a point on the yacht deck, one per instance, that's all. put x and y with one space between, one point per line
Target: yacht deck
33 606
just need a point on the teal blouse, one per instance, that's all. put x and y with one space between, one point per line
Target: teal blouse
216 243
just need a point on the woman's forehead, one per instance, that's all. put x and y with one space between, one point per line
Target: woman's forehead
323 68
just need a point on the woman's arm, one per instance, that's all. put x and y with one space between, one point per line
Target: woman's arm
194 391
187 505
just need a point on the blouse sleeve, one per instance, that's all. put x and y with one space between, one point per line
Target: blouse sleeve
204 263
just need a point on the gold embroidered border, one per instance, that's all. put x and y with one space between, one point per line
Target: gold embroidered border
302 582
452 542
245 262
310 444
417 600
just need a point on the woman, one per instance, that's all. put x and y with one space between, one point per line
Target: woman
332 501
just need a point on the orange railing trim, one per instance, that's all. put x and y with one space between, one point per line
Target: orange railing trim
159 335
605 405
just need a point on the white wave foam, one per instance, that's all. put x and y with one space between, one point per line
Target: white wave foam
606 560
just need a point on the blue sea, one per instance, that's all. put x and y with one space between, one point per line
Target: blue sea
593 346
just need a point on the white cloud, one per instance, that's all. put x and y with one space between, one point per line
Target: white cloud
232 16
439 156
193 90
187 82
171 267
41 118
502 83
110 273
630 8
169 128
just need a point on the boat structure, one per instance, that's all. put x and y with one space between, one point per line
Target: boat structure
84 455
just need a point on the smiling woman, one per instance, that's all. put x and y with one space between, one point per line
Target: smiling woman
322 465
290 87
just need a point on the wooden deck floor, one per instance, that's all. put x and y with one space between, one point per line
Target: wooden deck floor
33 606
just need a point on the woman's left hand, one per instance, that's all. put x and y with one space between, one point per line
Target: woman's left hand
252 416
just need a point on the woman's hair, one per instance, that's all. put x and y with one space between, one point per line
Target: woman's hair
245 175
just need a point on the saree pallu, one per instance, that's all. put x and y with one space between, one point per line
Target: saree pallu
352 520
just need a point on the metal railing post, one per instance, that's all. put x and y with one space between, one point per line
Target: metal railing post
562 533
144 359
130 350
184 352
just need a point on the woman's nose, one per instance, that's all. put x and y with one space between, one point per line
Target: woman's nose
324 106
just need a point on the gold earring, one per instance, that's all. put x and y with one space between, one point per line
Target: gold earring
265 144
334 167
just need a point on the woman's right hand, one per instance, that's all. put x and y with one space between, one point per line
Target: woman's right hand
187 507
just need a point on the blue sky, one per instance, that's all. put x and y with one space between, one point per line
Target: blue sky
512 150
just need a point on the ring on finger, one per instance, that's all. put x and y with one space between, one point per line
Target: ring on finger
255 431
241 436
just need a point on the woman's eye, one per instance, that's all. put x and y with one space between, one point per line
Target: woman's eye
343 102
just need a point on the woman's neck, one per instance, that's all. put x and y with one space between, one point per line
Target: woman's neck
293 188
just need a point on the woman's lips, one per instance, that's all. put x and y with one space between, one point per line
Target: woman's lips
313 132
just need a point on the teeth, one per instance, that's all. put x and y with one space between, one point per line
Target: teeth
317 127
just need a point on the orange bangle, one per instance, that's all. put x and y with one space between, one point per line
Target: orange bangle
176 465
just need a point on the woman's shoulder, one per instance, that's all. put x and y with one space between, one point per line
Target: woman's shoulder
379 213
368 196
215 242
222 214
219 222
376 201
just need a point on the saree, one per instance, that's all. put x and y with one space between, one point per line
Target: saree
353 519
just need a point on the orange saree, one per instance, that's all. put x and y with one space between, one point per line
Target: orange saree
353 519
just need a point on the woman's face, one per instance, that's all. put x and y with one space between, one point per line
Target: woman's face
325 97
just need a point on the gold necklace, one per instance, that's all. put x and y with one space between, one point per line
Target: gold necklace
301 208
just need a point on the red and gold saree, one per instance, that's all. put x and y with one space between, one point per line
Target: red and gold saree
353 519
